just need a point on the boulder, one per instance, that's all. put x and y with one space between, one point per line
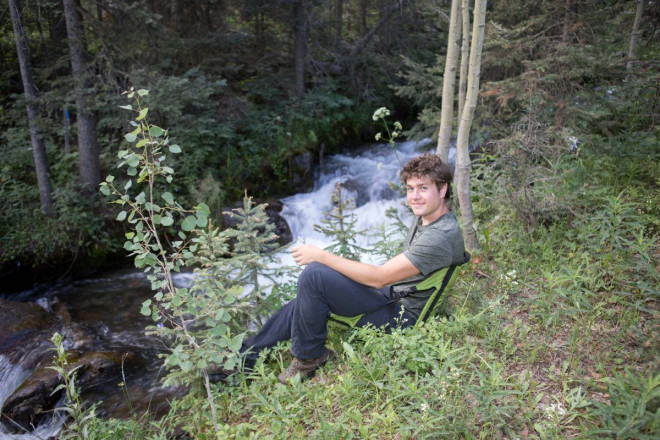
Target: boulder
35 400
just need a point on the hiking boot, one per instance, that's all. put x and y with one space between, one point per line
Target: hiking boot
306 367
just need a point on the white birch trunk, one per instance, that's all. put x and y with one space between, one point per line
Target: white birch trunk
462 172
465 54
449 81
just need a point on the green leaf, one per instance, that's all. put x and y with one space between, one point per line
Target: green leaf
168 197
143 92
167 221
157 219
126 107
131 171
142 114
146 309
105 190
175 149
121 216
141 198
203 209
110 178
141 143
155 131
129 183
130 137
202 221
189 223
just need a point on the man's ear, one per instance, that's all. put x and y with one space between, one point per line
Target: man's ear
443 190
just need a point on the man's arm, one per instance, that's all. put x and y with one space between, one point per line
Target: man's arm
394 270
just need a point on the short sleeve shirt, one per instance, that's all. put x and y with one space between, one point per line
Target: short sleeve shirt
429 248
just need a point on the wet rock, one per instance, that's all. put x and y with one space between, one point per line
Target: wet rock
34 401
25 332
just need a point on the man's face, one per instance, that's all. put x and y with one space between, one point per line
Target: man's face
424 198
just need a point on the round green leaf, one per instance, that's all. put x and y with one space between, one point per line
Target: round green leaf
167 221
155 131
175 149
168 197
189 223
130 137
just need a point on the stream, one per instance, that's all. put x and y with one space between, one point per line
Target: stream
103 312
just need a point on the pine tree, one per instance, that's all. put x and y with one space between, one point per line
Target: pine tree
339 224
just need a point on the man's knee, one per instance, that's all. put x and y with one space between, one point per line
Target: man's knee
314 277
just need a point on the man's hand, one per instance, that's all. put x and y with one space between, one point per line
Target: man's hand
306 253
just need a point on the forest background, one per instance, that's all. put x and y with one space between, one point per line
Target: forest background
565 185
259 91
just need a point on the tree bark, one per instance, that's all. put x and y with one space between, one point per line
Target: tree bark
635 32
449 81
339 14
38 146
300 43
465 54
89 165
462 143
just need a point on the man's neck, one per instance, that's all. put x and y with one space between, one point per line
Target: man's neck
427 220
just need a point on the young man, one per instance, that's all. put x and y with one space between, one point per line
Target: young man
332 284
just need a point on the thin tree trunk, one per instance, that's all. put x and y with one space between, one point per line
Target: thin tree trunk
38 147
449 81
364 5
568 23
300 43
465 55
635 32
339 15
462 144
89 166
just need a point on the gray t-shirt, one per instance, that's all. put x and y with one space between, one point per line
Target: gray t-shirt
429 248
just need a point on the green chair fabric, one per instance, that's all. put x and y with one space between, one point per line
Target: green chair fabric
440 281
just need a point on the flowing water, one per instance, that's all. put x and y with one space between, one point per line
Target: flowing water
107 307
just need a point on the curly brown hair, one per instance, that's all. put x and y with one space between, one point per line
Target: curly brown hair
428 165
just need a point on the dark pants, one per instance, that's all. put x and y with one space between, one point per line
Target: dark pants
303 320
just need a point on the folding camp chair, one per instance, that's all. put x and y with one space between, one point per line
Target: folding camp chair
440 281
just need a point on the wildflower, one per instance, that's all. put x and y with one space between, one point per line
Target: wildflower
378 136
381 113
398 126
573 143
423 407
555 409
